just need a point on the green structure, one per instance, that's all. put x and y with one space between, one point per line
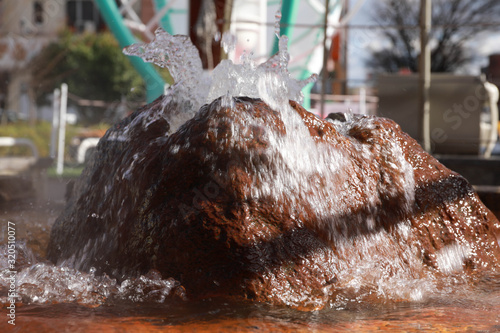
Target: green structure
111 15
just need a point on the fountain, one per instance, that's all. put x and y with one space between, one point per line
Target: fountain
227 186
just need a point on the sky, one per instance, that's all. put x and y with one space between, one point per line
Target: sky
361 41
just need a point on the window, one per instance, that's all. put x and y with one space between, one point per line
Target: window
38 12
83 15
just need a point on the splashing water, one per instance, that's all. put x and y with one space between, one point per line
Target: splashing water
44 283
270 81
310 178
228 42
277 20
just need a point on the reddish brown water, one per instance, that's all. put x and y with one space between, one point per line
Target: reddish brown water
213 316
472 310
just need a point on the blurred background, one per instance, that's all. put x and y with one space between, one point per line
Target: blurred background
64 79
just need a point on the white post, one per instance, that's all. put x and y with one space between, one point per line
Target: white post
362 100
62 129
55 122
425 72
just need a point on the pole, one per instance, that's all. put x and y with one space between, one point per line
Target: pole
425 72
62 129
165 20
362 100
324 76
55 122
114 21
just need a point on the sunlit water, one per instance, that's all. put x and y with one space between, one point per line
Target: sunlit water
392 295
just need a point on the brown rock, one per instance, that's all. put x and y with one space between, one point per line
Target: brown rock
244 202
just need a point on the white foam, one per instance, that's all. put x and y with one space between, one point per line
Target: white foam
450 259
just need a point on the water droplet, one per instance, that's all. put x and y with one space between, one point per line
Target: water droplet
277 22
217 36
228 42
284 56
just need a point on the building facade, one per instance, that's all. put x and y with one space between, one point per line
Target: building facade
26 26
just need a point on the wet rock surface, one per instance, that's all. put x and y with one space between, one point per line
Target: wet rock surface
240 202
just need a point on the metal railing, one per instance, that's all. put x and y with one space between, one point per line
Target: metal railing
6 141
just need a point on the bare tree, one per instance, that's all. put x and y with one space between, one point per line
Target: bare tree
454 24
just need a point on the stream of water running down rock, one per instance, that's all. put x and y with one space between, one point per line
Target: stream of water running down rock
222 194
